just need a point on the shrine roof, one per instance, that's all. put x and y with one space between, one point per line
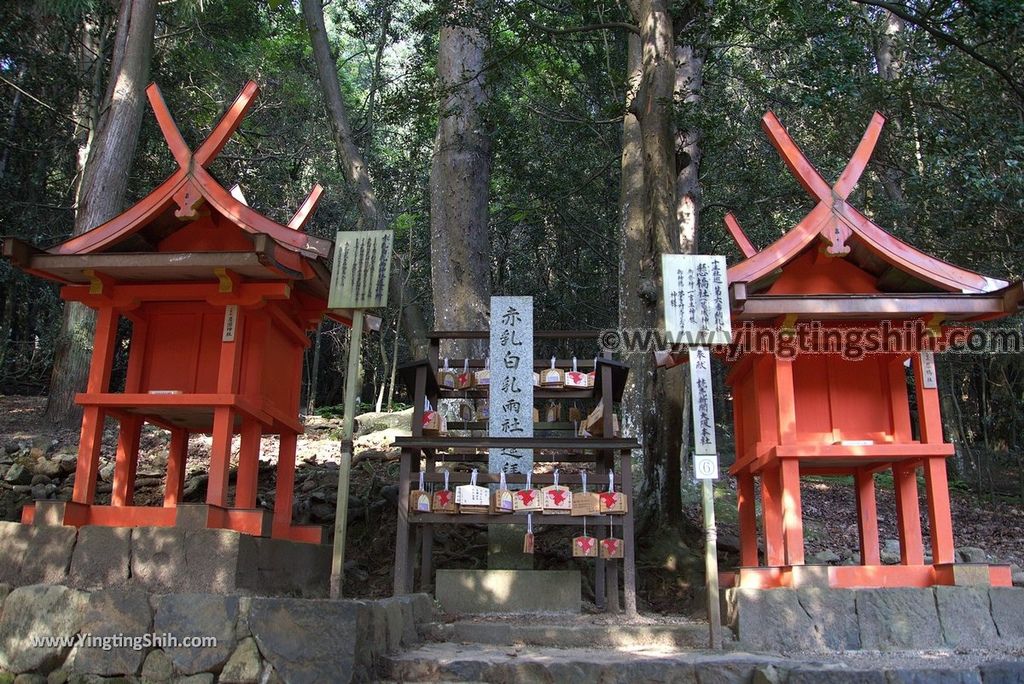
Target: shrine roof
847 234
190 223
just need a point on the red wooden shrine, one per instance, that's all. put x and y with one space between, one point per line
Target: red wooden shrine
824 413
219 298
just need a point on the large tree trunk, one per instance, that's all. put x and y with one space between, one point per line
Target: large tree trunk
689 85
459 188
102 189
354 167
889 63
652 403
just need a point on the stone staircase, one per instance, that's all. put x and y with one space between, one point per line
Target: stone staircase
549 649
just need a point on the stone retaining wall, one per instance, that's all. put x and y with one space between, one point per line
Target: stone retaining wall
262 640
162 560
813 619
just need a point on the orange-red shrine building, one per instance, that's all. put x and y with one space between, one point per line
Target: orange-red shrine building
219 298
828 414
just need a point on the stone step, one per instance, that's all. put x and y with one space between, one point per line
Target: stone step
676 636
511 665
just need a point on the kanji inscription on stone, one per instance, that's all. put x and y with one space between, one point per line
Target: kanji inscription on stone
511 391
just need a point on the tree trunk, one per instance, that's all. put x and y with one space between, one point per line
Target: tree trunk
354 166
889 64
652 403
102 189
459 188
688 86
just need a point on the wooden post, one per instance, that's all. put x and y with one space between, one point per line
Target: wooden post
929 415
341 510
939 515
177 457
707 489
908 514
284 491
629 560
771 507
792 520
247 481
224 416
93 416
126 460
747 519
867 517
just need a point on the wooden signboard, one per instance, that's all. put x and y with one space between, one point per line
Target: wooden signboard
362 269
696 298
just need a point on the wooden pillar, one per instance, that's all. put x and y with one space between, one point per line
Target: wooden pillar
403 561
929 415
771 514
786 406
126 460
867 517
248 464
747 519
284 492
91 436
224 416
177 457
939 516
792 520
908 514
899 404
220 456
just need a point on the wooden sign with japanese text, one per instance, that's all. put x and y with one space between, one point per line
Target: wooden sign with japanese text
696 299
511 389
362 269
701 401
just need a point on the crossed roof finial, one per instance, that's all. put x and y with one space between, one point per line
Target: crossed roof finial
197 162
835 229
833 219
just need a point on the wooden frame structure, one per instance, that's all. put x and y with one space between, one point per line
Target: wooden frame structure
219 298
820 413
416 530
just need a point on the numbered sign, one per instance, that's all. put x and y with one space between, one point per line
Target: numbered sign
705 466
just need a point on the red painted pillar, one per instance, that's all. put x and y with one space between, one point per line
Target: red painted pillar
126 461
228 371
748 519
248 464
867 518
771 507
908 514
936 484
220 456
91 436
285 487
792 520
939 515
176 459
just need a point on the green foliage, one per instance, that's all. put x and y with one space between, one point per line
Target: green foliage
946 176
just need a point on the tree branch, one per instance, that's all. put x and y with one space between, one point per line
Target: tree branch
905 14
581 29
